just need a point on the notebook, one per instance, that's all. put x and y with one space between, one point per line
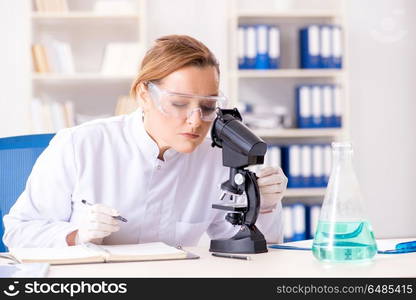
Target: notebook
91 253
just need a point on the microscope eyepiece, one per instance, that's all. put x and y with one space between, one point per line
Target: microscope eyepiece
241 147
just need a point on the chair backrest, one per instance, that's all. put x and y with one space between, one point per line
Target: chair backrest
18 154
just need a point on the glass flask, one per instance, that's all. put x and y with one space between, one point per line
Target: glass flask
343 232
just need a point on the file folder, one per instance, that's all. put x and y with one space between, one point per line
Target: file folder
325 35
327 163
306 166
327 106
287 223
273 156
274 47
315 211
241 40
337 107
316 107
336 57
310 47
262 55
299 222
276 156
291 162
303 107
318 179
251 48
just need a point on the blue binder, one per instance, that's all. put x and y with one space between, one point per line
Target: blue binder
318 179
251 48
306 166
241 41
336 51
303 106
327 106
274 47
262 53
310 47
299 222
313 215
326 46
291 164
337 119
316 104
287 216
308 222
327 163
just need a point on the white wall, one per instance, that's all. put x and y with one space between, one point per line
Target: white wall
382 43
14 67
205 20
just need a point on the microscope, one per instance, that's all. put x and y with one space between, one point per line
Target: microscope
241 196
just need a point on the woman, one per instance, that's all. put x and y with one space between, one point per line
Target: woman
154 167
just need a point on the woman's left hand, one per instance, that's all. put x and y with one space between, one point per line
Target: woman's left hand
272 184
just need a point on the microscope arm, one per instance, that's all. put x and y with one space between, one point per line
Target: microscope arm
253 199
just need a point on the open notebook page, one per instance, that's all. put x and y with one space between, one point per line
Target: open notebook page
62 255
147 251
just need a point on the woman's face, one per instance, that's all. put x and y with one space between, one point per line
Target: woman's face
181 134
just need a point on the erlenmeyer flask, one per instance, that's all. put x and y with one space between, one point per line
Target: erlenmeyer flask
343 232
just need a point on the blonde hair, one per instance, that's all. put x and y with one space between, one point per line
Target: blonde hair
171 53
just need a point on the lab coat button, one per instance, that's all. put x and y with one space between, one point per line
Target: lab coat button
159 167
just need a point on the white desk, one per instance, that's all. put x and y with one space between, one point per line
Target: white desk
275 263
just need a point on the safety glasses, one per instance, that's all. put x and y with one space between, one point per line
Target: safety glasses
182 106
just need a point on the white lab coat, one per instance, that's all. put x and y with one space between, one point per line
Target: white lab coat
115 162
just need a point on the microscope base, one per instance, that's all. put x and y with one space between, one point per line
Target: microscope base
247 240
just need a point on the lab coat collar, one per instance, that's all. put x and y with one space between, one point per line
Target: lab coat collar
143 140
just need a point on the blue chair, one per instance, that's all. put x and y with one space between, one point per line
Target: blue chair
17 157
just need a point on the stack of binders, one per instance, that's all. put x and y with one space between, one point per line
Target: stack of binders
320 47
300 221
258 47
318 106
307 166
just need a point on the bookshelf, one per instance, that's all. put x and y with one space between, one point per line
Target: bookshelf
63 78
93 36
289 73
307 192
277 86
65 16
297 133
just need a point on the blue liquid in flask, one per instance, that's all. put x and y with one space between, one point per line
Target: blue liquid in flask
344 241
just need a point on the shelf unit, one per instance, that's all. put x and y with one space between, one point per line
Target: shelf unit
298 133
93 93
310 192
62 78
43 16
264 85
298 13
289 73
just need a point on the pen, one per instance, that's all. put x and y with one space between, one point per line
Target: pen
232 256
115 217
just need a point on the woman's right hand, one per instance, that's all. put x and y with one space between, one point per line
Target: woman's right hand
98 223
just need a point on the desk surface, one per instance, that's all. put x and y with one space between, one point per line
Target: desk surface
275 263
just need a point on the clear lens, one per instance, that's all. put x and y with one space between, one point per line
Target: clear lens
180 105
